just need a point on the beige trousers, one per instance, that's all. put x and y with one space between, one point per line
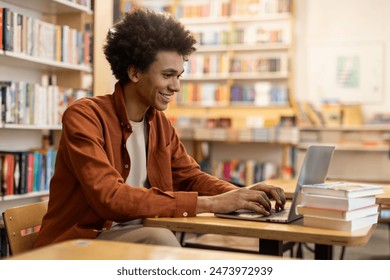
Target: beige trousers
140 234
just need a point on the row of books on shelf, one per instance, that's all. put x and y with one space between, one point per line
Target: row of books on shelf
380 119
34 104
24 172
21 34
206 64
252 34
277 134
258 64
244 172
260 94
224 8
200 64
331 113
84 3
214 94
344 206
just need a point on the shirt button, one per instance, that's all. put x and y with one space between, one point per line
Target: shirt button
121 123
185 214
126 166
124 145
128 126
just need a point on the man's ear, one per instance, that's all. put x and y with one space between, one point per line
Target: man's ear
133 74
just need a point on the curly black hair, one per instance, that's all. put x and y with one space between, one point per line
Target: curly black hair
137 38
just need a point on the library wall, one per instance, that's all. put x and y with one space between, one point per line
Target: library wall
355 29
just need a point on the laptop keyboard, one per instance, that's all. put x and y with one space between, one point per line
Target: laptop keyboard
274 214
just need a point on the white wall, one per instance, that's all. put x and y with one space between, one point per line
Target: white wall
349 26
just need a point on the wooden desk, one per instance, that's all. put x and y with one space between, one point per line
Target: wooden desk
384 198
271 235
289 189
92 249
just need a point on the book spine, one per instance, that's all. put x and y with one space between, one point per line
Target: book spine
1 28
30 172
7 46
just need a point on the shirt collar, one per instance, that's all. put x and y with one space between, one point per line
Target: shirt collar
120 107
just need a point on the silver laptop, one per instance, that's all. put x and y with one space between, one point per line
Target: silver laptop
314 170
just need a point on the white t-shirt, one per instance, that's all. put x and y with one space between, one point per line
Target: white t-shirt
136 147
137 151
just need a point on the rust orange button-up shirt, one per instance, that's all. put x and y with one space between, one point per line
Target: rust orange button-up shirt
88 189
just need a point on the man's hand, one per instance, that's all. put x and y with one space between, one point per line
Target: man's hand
256 197
275 193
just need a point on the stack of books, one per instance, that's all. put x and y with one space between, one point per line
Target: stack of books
340 205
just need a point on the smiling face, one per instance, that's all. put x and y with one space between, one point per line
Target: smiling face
156 86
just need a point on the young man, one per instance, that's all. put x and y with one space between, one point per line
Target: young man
119 159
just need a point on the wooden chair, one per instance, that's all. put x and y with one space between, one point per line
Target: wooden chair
22 224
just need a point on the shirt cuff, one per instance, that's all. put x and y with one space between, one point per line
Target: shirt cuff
186 203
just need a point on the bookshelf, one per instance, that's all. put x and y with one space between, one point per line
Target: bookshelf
242 64
362 152
241 72
45 64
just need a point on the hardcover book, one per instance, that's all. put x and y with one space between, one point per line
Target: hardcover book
342 189
1 28
340 224
337 214
339 203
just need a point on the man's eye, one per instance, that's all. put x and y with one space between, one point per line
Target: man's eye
167 76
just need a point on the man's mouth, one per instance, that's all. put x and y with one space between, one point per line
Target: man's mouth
167 97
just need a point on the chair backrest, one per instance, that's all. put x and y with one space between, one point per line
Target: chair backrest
22 224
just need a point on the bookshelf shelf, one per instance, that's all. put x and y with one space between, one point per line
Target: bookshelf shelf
211 48
234 105
31 127
236 76
201 20
378 127
23 60
242 47
353 147
212 20
262 18
259 47
203 77
24 196
259 76
51 6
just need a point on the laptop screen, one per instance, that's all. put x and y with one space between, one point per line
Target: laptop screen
314 170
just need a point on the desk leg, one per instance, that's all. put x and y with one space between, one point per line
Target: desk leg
271 247
323 252
3 243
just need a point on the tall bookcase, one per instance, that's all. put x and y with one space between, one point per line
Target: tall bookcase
45 63
238 82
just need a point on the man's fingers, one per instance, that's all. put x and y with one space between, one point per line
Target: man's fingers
258 208
279 196
265 202
262 199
